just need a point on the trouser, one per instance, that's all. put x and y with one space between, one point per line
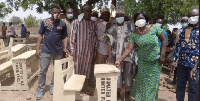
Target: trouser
101 59
183 75
129 74
45 61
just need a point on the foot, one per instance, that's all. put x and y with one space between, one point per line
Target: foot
39 95
51 90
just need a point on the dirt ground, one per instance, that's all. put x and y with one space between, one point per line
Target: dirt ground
166 91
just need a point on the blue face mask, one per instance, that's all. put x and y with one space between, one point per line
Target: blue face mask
120 20
69 16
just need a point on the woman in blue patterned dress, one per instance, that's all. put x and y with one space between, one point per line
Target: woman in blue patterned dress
150 57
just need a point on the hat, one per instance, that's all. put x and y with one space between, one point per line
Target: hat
105 10
119 8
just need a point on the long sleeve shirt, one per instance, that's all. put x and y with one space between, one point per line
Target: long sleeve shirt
187 47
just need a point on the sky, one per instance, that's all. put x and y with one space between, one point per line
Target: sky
23 14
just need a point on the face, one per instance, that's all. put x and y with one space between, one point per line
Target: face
55 11
160 21
184 20
140 17
119 15
69 11
105 16
4 24
87 12
94 15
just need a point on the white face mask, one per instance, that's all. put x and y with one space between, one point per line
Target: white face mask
140 23
193 20
184 25
159 24
56 16
93 18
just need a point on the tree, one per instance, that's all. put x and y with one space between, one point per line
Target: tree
4 10
169 10
16 20
30 21
44 5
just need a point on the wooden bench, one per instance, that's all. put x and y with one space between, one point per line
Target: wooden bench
66 91
6 69
15 41
2 45
26 67
18 49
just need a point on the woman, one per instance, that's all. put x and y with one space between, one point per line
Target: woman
149 57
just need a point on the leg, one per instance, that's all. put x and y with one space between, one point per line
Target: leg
175 73
182 76
192 90
44 64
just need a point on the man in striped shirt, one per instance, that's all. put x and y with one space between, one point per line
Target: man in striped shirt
83 43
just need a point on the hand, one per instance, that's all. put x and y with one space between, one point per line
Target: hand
38 53
117 63
72 53
161 60
108 25
109 59
173 65
192 74
67 53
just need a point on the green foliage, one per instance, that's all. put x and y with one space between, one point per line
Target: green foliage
4 10
16 20
30 21
169 10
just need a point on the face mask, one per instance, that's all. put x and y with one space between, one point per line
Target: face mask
184 25
120 20
140 23
93 18
193 20
159 24
80 17
56 16
69 16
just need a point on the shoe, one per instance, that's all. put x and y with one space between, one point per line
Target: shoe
39 95
51 90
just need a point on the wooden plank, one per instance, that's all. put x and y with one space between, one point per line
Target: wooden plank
33 76
25 55
69 69
64 60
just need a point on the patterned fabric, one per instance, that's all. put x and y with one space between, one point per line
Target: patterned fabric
48 24
147 78
121 36
187 53
83 43
69 27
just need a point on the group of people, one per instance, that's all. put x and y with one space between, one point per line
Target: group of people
12 30
139 47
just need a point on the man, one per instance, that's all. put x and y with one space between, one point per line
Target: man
159 22
12 30
121 32
184 24
68 21
102 50
4 28
83 43
23 31
54 32
187 53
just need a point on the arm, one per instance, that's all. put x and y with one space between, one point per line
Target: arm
194 70
163 44
125 53
73 36
39 41
64 34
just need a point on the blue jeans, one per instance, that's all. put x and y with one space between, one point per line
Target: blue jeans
183 75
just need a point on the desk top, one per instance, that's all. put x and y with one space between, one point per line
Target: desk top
105 68
17 47
25 55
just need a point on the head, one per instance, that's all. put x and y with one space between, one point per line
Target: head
22 25
69 13
193 16
4 24
127 18
105 14
141 18
87 10
94 15
159 22
10 23
120 14
174 32
55 11
184 22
